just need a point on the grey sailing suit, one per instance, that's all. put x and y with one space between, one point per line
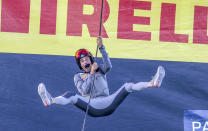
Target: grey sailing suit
101 104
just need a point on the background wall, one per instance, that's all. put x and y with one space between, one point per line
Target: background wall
38 40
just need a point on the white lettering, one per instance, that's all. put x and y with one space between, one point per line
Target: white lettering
196 125
205 126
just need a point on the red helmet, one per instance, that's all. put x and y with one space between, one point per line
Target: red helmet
82 53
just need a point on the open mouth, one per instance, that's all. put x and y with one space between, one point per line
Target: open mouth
87 65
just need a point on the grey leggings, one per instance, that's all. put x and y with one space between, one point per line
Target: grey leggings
102 106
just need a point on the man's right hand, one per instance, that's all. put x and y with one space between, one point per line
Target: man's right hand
99 41
94 68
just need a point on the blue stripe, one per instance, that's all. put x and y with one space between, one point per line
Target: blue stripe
162 109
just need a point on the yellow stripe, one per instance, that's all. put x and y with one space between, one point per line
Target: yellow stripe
122 49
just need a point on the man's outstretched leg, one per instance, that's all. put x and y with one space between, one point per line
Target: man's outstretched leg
47 99
155 82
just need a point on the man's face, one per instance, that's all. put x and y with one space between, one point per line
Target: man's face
86 61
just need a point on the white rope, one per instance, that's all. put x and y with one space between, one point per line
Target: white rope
92 89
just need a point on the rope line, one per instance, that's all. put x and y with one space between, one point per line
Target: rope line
91 90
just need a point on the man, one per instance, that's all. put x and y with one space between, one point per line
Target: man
92 82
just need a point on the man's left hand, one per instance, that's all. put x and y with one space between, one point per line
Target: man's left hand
94 68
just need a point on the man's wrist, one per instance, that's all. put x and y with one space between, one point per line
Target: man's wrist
92 72
101 47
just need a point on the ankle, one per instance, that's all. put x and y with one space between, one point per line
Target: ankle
53 101
150 84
